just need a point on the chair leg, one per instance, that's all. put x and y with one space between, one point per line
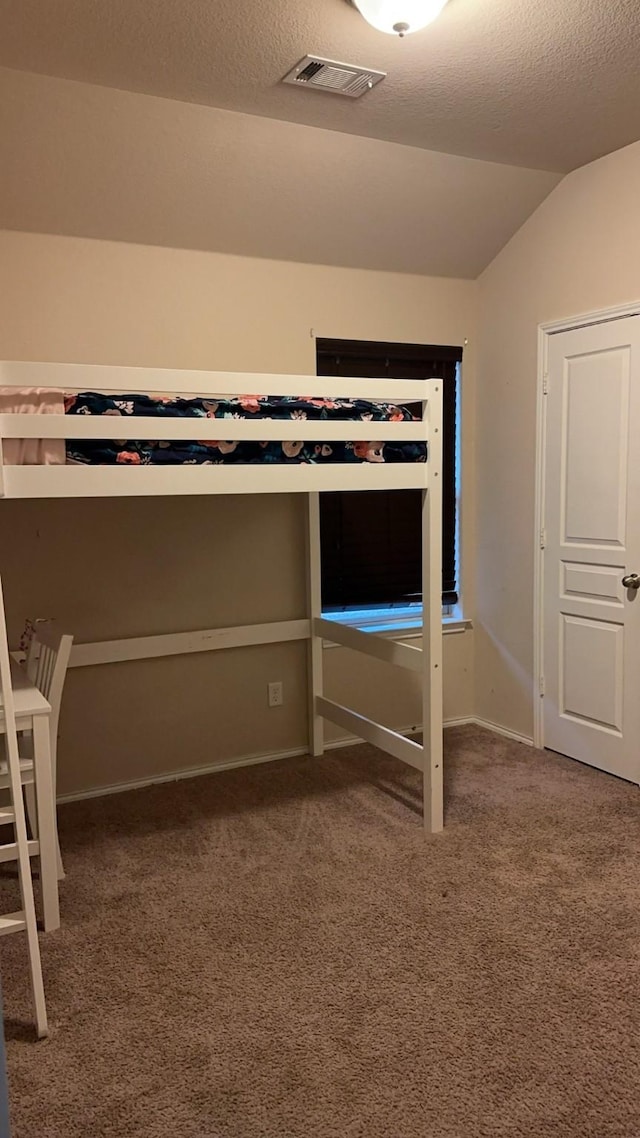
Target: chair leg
32 808
32 813
30 796
46 824
60 873
54 783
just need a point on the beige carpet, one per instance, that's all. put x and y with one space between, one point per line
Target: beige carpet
277 952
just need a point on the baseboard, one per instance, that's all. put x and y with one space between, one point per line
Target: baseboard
270 757
177 776
498 730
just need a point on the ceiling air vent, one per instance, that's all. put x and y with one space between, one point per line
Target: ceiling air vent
336 78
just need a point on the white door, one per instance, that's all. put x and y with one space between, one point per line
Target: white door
592 546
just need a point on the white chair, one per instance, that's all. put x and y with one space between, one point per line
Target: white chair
46 666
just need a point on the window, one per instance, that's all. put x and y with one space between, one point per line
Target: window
371 540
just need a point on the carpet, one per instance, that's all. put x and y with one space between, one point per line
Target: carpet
279 952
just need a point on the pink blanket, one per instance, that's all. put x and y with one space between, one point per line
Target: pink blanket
32 401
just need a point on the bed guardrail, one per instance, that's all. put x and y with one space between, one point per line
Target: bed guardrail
202 384
89 480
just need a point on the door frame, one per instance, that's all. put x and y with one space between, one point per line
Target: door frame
545 331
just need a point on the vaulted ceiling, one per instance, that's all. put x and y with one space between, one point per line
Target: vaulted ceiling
166 123
89 161
549 84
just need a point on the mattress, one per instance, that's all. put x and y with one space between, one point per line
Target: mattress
130 451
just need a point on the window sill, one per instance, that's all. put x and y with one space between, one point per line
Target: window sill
394 623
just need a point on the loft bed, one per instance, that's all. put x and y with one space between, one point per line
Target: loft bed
62 435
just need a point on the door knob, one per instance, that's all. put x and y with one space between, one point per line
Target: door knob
631 581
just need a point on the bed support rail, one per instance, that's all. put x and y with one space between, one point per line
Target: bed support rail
371 643
383 737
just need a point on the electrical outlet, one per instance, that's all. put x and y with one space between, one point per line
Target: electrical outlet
275 693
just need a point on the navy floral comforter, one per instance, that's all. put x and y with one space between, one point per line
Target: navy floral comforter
130 451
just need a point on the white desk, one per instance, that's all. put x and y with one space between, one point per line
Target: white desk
28 701
32 712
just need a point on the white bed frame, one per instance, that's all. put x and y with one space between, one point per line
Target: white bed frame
114 481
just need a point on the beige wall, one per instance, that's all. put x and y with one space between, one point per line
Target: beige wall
118 567
579 252
90 161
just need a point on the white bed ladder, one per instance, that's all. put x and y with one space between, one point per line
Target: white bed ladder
14 814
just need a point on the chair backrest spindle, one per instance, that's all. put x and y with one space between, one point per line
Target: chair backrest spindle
47 662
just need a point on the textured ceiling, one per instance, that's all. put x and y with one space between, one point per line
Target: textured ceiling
90 161
550 84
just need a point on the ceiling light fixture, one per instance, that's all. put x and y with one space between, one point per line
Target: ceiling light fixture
399 17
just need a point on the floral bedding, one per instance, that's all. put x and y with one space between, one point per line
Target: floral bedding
177 452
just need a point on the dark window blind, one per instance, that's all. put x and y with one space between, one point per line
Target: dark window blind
371 540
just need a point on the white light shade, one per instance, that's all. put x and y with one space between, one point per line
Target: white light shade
399 17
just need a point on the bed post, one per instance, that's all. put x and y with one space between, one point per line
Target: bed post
314 605
432 804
